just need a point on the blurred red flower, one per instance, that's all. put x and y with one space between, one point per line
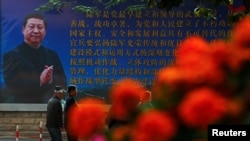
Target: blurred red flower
238 58
201 107
220 52
154 125
167 81
125 97
241 33
88 118
169 76
240 45
192 45
196 63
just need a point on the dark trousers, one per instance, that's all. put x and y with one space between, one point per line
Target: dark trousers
55 134
71 137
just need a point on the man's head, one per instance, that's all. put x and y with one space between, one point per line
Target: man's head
34 29
59 91
72 90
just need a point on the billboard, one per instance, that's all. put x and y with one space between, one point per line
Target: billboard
93 51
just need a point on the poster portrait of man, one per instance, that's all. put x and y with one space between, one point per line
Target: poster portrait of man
30 70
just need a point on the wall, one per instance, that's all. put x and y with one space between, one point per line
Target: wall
27 121
27 117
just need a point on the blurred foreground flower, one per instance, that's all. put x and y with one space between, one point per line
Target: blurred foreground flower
196 63
166 86
202 107
240 33
154 125
88 118
125 96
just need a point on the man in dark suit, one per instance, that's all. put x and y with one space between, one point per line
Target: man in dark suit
31 70
70 103
54 116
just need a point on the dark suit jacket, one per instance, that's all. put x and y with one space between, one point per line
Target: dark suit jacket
22 67
54 117
69 103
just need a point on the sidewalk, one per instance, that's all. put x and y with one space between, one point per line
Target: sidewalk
22 139
27 136
11 138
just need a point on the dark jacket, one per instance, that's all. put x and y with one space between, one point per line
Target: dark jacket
54 117
69 102
22 67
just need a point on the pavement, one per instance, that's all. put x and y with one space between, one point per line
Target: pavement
27 136
22 139
3 138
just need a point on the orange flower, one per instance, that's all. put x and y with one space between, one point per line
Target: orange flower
190 46
88 118
239 57
166 87
202 71
169 76
220 52
241 33
240 44
196 63
125 96
154 125
202 107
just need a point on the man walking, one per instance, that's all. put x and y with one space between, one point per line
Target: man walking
70 103
54 119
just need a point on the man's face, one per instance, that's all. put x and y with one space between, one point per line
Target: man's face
73 92
60 95
34 32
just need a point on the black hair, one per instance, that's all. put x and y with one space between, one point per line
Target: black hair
35 15
71 88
